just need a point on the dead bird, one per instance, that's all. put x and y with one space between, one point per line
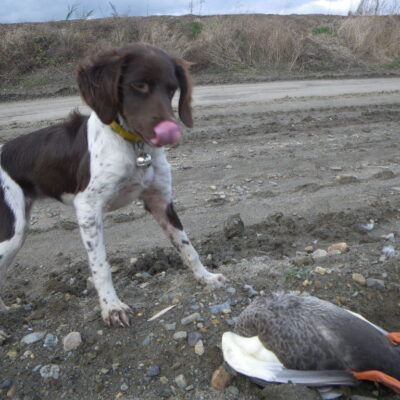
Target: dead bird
287 338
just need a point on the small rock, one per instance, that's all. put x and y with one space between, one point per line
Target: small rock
389 237
6 384
376 283
146 341
12 392
171 326
389 251
180 335
50 340
346 179
199 348
224 308
194 337
342 247
50 371
231 291
250 291
233 226
358 278
32 337
72 341
124 387
320 253
320 270
309 249
190 318
181 381
220 378
3 337
153 371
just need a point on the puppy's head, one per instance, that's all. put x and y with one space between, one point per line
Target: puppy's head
138 82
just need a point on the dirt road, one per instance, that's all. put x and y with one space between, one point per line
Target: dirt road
305 163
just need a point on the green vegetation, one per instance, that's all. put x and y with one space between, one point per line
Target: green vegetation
322 30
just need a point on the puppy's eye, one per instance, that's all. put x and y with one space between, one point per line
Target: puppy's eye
141 87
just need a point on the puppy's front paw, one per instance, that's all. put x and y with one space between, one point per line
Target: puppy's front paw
115 313
214 281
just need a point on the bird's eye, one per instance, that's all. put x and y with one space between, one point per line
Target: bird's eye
141 87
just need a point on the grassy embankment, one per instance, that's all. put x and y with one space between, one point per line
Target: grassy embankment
41 54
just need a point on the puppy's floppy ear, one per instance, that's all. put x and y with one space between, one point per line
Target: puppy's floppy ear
186 85
98 81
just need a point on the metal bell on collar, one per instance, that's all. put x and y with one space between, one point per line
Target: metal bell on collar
143 160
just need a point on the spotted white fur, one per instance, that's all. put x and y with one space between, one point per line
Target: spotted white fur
115 181
15 200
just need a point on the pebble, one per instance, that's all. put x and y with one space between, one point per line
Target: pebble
358 278
153 371
171 326
12 392
231 290
220 378
180 335
199 348
389 237
181 381
346 178
389 251
194 337
342 247
124 387
233 226
50 340
320 253
320 270
190 318
146 341
250 291
309 249
224 308
50 371
32 337
376 283
3 337
72 341
6 384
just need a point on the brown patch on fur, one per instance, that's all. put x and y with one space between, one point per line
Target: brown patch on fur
173 217
7 220
138 82
51 161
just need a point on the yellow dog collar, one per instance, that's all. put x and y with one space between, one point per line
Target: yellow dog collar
131 136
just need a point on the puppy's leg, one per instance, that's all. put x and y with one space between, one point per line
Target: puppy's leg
90 219
14 213
164 213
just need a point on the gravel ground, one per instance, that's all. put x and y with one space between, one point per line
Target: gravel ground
300 180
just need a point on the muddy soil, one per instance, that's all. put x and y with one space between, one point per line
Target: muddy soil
298 173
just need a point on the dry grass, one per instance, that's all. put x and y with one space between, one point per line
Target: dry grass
376 37
225 43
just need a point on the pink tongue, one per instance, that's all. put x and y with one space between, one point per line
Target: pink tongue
167 132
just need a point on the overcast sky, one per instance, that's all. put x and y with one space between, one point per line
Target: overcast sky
51 10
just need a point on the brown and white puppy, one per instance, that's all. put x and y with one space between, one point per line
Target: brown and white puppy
84 161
